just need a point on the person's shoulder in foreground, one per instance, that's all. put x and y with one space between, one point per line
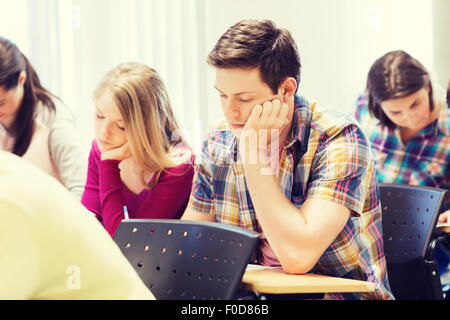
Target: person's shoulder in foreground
51 247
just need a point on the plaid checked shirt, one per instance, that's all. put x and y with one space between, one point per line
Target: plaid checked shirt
424 160
334 164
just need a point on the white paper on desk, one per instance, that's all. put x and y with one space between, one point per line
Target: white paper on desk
442 224
251 267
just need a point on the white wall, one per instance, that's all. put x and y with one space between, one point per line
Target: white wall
14 24
441 40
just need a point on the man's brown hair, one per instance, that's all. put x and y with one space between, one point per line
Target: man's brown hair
258 44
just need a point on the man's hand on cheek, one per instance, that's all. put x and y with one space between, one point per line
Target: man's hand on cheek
262 128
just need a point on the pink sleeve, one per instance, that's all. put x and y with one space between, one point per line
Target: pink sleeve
111 195
90 198
167 200
170 195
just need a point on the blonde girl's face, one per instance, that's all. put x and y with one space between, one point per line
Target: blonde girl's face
109 124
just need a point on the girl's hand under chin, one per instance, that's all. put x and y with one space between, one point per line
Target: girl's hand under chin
120 153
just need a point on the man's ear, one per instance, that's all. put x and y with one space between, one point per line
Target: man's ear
287 88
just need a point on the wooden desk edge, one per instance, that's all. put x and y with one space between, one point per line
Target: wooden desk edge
345 285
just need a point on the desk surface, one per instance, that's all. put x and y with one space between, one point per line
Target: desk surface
443 227
278 282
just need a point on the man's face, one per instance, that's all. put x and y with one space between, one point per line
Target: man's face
240 91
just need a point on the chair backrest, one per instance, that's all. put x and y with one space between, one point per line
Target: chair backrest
409 218
187 260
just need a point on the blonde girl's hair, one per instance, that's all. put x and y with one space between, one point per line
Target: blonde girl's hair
144 104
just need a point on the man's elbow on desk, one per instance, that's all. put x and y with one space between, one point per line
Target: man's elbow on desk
299 253
298 263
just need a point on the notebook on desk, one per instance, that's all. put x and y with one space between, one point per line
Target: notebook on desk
251 267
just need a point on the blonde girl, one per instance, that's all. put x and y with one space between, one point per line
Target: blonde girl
134 161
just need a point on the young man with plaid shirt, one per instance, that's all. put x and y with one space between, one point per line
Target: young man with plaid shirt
279 164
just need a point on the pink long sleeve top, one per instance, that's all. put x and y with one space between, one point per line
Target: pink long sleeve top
105 194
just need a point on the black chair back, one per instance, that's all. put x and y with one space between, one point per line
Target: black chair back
410 214
186 260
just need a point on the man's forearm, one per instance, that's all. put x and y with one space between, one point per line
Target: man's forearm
282 223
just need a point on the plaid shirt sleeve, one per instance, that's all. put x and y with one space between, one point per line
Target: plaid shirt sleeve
201 198
341 169
361 112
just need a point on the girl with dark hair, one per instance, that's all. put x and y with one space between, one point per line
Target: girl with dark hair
407 120
36 125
